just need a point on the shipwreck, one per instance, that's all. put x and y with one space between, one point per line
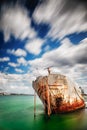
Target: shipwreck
58 93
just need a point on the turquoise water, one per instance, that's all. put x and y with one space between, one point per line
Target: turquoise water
17 113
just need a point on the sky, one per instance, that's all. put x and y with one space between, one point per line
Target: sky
36 34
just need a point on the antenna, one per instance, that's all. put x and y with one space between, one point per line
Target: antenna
48 68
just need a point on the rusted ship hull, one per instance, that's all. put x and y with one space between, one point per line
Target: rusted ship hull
56 96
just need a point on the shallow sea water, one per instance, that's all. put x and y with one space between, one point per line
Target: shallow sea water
17 113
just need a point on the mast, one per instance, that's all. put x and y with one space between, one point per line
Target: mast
48 95
48 101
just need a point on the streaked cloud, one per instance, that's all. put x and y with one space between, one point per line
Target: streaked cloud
15 21
68 59
42 30
67 54
64 16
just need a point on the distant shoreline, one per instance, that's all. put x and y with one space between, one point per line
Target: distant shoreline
15 94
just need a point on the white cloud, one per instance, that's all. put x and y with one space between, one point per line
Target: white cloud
64 17
4 59
68 59
18 52
66 54
48 8
16 83
13 64
34 46
19 70
15 21
22 61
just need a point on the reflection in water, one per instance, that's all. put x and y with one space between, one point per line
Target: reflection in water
69 121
